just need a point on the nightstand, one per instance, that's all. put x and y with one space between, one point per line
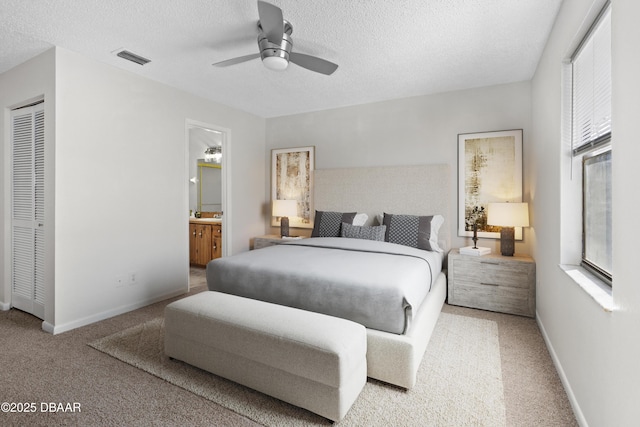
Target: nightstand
506 284
269 240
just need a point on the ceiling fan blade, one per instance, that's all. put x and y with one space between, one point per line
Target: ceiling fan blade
237 60
313 63
271 21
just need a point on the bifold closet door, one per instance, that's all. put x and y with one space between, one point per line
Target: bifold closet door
27 210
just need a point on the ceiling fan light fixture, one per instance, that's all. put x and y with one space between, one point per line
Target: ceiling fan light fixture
275 56
275 63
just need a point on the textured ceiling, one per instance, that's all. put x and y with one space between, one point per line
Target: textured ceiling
385 49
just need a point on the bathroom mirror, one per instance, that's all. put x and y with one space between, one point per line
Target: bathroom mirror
209 186
205 173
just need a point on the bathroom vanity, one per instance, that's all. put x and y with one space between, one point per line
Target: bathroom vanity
205 240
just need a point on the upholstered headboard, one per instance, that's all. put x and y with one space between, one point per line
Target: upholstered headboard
411 190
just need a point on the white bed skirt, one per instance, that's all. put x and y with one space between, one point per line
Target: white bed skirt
395 359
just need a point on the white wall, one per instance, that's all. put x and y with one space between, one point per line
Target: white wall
121 187
597 353
417 130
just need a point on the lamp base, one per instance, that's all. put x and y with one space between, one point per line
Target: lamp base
507 241
284 226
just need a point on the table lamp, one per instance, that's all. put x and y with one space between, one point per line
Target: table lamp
284 209
508 215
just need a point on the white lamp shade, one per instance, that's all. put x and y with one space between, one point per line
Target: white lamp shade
285 208
508 214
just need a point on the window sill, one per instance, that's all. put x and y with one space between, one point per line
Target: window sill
593 286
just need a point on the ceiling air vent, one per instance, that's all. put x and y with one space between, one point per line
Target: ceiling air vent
129 56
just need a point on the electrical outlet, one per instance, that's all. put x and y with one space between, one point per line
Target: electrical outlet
133 279
120 281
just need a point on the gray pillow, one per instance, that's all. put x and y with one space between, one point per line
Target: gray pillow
411 230
376 232
328 224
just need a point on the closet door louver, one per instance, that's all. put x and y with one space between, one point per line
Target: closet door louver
28 219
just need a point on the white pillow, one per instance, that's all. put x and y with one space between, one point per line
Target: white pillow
360 219
436 223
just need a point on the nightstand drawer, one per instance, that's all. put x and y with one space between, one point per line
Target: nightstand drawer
493 282
492 272
503 299
263 243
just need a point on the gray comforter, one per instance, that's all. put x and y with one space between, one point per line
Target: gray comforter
377 284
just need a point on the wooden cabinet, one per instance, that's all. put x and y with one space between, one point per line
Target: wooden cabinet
506 284
216 241
205 241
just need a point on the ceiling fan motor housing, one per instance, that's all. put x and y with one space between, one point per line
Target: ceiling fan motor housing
276 56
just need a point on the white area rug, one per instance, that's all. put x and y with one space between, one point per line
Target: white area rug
459 380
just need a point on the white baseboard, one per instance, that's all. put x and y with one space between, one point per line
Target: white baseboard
563 377
4 306
58 329
47 327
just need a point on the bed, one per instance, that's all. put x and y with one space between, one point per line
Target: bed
377 284
394 290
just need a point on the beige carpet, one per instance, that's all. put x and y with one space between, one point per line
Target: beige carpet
459 381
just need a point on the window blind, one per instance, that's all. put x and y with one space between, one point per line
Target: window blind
591 99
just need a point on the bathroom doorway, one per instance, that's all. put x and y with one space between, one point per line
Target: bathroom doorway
208 154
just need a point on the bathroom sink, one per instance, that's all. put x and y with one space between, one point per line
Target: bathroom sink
209 219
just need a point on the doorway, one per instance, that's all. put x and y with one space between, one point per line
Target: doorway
209 173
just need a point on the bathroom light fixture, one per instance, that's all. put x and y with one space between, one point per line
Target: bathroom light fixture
213 154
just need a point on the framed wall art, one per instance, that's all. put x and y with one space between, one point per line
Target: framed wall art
489 170
292 179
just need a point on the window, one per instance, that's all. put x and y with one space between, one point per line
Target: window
591 142
596 201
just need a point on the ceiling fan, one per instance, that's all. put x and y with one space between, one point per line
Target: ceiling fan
275 44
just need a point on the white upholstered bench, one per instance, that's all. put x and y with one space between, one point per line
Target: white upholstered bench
310 360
